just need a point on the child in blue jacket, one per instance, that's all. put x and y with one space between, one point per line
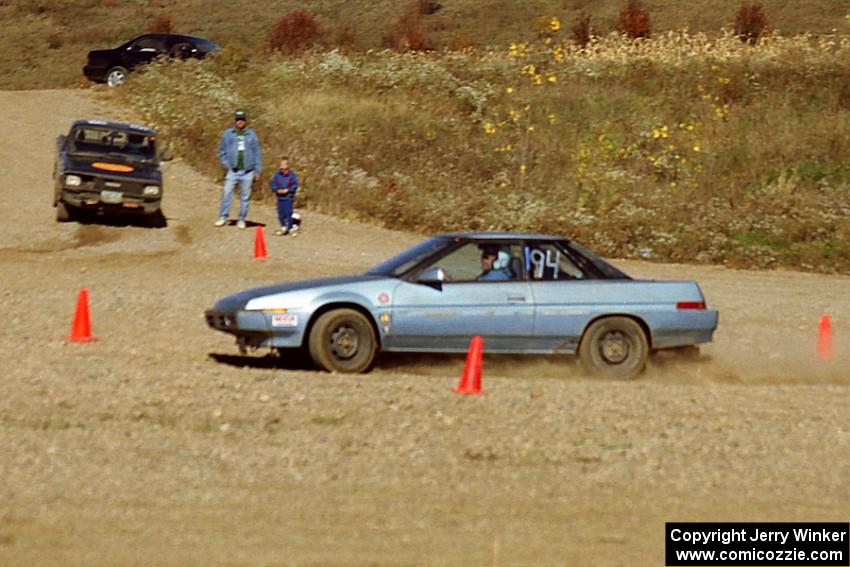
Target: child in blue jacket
284 184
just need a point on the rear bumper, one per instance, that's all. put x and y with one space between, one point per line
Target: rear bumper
682 328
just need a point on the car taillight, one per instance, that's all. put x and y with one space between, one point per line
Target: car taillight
690 305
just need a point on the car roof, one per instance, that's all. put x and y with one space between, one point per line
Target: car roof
111 124
502 235
177 35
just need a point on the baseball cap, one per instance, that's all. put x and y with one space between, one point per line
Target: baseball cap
240 115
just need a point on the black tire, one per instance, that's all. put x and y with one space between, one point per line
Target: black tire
63 213
343 340
614 347
155 220
116 76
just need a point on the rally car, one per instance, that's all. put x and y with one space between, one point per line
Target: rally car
523 293
108 167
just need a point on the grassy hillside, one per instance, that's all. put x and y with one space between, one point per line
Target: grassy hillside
44 42
678 148
688 146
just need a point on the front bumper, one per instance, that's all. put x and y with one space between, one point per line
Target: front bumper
128 203
259 328
95 73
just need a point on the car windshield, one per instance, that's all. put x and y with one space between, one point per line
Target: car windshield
401 263
112 141
607 269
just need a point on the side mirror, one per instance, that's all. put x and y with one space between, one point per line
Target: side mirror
433 275
166 155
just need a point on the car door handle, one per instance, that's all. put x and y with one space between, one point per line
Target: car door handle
516 298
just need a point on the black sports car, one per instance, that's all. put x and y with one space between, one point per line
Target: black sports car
111 66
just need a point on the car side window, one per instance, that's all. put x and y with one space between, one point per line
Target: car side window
465 264
544 261
181 49
149 44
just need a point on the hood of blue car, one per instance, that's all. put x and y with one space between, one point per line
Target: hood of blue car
238 301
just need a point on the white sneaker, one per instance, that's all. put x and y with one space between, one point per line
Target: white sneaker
221 222
241 224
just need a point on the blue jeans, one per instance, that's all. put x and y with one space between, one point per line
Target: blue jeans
284 211
245 179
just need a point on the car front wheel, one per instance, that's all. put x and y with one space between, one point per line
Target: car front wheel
343 340
63 213
614 347
116 76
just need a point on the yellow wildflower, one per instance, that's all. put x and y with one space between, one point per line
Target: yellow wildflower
489 128
554 24
552 79
559 54
509 90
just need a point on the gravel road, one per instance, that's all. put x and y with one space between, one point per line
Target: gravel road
156 445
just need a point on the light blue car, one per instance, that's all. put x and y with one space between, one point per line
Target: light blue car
523 293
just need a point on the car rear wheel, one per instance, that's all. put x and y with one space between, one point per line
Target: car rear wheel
116 76
614 347
63 213
343 340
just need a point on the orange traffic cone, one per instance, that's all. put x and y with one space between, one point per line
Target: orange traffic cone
81 327
825 337
470 380
260 245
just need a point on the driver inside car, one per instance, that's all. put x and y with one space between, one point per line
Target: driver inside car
495 265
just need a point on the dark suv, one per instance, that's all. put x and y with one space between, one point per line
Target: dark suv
108 167
111 66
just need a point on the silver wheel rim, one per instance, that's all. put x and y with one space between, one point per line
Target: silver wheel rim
344 343
115 78
614 347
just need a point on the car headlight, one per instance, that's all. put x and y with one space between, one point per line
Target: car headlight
73 181
151 191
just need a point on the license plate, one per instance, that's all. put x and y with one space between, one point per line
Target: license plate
111 196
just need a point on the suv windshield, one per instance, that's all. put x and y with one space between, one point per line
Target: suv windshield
103 140
399 264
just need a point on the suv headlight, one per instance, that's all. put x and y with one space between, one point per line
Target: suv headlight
73 181
151 191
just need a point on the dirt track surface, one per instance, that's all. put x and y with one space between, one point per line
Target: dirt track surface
156 445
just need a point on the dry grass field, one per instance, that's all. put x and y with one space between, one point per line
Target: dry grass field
158 445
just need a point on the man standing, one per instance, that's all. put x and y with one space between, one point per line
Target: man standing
284 184
240 155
